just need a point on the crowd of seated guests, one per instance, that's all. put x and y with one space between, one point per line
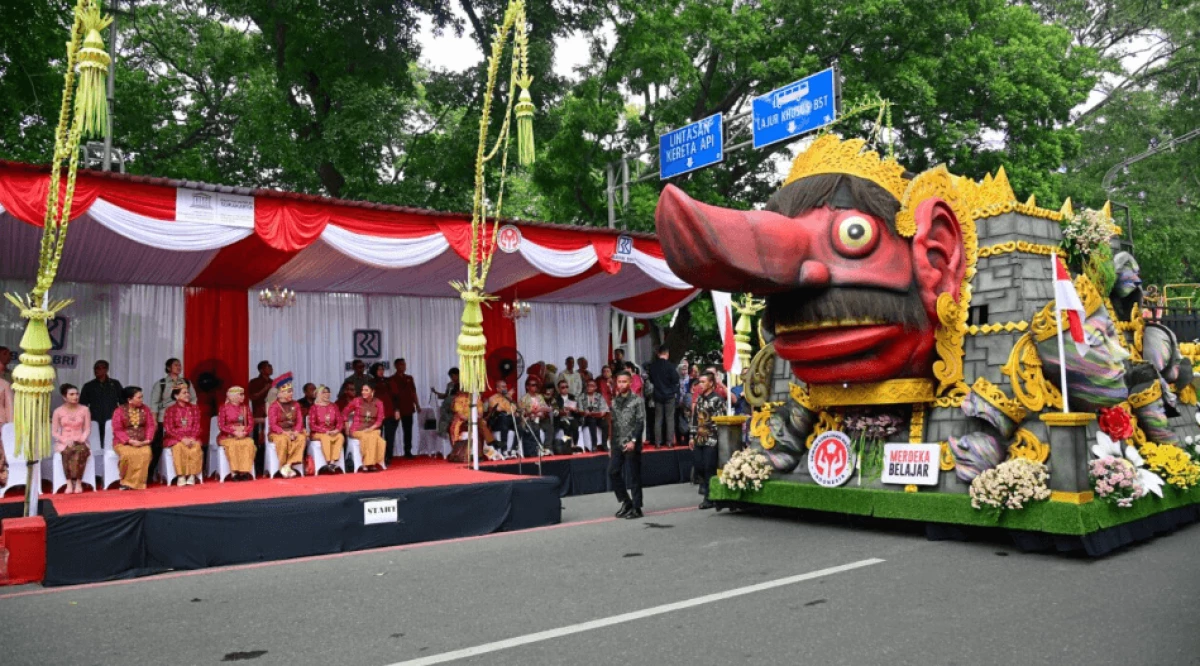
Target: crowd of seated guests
370 406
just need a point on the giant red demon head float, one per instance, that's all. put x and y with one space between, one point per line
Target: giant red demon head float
850 254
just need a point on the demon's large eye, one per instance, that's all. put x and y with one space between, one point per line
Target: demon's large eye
855 236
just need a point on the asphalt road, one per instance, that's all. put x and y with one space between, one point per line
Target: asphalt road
924 603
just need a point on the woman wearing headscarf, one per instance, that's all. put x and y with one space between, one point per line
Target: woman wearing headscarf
287 431
71 425
236 423
133 428
325 422
181 427
364 416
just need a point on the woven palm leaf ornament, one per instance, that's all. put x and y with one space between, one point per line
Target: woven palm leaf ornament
83 113
472 344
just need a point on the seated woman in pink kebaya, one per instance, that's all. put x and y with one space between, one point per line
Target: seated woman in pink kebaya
70 426
181 426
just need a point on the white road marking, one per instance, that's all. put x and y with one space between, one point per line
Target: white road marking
631 617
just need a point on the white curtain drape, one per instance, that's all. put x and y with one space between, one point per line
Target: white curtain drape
554 331
658 270
558 263
314 339
175 236
422 331
135 327
385 252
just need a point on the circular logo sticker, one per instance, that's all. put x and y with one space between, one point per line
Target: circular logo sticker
508 239
831 459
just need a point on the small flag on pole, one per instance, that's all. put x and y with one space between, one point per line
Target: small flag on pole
723 305
1066 299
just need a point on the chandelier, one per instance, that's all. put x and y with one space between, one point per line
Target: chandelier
516 310
277 297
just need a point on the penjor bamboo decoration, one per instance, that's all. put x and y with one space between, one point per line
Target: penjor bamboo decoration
471 341
472 344
33 379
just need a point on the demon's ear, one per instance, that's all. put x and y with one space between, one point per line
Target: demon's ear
939 261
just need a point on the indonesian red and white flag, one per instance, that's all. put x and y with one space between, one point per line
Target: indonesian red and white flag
1066 299
723 305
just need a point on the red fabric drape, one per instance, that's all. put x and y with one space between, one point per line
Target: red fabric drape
216 339
23 195
500 332
653 302
542 284
242 265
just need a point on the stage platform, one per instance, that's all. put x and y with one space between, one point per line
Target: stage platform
96 536
587 473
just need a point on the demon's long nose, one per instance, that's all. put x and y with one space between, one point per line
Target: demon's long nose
732 250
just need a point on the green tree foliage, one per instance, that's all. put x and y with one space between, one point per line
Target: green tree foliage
333 97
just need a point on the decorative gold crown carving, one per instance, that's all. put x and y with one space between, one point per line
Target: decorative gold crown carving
829 154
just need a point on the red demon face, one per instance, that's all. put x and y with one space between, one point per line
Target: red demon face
848 299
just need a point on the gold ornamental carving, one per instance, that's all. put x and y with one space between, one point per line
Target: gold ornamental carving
826 421
1146 396
760 376
1024 247
1027 445
760 426
1067 419
916 425
1005 327
946 459
801 396
890 392
1024 372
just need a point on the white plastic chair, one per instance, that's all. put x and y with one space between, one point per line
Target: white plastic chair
110 461
318 456
355 448
218 462
18 471
97 448
52 468
271 458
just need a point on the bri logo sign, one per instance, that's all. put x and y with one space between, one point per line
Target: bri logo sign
831 459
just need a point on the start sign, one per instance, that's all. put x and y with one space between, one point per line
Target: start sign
831 459
911 464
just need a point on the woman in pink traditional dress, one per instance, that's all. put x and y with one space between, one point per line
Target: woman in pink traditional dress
325 422
133 428
236 424
364 416
71 425
181 434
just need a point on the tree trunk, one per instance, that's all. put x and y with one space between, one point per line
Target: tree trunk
679 334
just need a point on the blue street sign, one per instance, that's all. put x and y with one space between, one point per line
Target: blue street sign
794 109
691 147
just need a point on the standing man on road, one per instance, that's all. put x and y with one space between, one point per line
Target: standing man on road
407 402
629 422
703 441
664 377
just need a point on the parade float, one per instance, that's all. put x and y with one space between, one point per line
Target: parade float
912 363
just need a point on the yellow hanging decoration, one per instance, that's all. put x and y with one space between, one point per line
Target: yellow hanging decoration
91 105
33 379
472 344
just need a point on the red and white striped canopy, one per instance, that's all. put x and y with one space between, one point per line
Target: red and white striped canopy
132 229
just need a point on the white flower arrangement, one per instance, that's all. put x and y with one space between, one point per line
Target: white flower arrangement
1105 446
1010 485
746 470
